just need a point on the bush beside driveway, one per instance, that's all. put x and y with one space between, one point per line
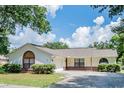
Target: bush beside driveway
81 79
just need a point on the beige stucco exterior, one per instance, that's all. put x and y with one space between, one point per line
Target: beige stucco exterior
3 62
59 62
88 61
3 59
42 57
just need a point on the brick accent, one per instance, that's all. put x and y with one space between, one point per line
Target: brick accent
82 68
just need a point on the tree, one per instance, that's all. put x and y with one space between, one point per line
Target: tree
101 45
113 10
3 43
24 16
56 45
118 39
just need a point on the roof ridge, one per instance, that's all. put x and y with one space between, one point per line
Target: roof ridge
74 48
79 52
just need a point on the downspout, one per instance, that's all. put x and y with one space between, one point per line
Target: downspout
66 63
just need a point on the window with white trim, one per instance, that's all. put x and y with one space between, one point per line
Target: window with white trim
78 62
103 61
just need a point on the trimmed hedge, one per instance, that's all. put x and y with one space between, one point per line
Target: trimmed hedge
102 67
6 67
109 68
12 68
113 68
2 71
43 68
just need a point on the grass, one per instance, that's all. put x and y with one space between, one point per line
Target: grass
28 79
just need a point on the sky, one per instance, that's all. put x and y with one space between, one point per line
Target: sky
77 26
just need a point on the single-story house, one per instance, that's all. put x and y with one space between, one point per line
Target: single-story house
64 59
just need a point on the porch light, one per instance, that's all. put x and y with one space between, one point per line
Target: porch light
52 58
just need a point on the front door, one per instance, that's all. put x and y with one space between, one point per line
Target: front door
28 60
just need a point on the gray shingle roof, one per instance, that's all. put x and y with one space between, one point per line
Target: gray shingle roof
76 52
81 52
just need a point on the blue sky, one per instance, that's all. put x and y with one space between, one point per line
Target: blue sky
71 17
77 26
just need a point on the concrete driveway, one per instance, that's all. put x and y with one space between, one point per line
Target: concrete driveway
85 79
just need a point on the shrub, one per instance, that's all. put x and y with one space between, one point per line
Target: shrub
43 68
117 68
12 68
36 68
109 68
2 71
6 67
102 67
113 68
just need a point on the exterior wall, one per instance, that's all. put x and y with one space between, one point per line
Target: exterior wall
3 61
70 61
112 60
94 63
40 56
59 62
95 60
87 61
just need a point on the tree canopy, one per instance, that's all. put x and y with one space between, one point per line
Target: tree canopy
56 45
113 10
101 45
32 16
117 40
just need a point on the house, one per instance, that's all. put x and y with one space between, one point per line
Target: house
64 59
3 59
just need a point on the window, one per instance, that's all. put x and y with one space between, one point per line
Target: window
103 61
79 62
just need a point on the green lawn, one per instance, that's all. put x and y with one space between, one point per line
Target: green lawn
27 79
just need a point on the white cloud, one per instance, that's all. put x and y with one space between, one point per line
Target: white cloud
83 36
29 36
52 9
99 20
79 38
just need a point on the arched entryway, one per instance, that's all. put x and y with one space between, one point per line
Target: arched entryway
103 61
28 59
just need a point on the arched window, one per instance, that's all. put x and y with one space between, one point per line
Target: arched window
103 61
28 59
